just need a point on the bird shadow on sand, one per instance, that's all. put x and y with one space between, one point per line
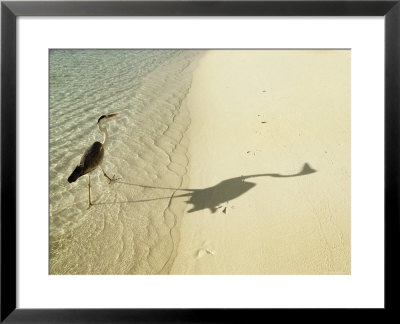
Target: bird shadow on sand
212 197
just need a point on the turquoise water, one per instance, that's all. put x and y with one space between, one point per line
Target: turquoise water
133 226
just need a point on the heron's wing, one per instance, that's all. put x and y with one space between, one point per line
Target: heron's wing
92 157
75 174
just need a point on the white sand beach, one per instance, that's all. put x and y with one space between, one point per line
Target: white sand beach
231 162
269 112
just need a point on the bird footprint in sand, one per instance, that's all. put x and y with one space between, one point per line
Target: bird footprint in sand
203 252
254 152
225 208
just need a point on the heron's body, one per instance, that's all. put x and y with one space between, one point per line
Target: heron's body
93 157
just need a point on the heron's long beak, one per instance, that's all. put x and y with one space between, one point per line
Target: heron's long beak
111 116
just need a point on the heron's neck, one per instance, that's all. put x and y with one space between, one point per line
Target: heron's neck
104 130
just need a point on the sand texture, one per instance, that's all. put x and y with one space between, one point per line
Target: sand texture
269 149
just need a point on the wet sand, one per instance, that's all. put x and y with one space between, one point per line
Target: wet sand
269 151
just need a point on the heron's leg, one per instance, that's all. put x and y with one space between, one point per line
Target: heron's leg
90 202
109 179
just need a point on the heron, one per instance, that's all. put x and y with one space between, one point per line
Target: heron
93 157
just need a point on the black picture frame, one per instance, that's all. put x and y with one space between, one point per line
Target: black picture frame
11 10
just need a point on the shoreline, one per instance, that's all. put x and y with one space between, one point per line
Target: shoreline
265 116
176 207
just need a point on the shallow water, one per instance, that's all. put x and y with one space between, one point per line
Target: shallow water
133 226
